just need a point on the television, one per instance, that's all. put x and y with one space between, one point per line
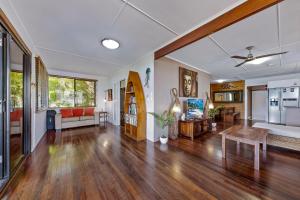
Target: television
195 108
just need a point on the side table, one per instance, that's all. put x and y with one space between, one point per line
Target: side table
103 115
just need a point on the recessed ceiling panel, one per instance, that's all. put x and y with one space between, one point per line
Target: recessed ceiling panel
71 63
183 15
290 21
200 53
69 25
138 35
259 30
293 54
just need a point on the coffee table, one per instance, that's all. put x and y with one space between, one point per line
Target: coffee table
247 135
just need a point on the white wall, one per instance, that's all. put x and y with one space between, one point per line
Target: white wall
264 81
167 77
38 128
113 107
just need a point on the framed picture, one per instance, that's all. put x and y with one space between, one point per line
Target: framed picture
109 95
188 83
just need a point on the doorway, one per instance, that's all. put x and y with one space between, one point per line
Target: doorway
122 97
257 103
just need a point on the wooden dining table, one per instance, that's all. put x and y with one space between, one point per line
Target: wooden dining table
247 135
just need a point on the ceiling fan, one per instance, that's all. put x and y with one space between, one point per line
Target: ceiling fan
250 56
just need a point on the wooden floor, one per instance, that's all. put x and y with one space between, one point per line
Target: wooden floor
90 163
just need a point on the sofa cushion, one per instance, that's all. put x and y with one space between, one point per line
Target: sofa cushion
15 123
70 119
66 112
16 115
82 118
77 112
89 112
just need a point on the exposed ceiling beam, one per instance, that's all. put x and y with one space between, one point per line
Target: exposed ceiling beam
235 15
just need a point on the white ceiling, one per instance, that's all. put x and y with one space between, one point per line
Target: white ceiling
270 31
67 33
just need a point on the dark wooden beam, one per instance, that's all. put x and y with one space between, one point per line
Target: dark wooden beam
235 15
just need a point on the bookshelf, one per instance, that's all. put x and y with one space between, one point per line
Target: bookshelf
135 108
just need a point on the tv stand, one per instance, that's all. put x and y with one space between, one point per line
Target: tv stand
192 127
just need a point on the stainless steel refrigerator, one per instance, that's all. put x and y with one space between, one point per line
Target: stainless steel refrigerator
276 109
279 100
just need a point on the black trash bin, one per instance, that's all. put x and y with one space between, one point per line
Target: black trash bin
50 119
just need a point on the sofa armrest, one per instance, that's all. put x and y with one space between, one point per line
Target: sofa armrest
96 117
58 122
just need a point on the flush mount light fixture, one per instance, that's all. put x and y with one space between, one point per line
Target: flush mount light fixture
110 43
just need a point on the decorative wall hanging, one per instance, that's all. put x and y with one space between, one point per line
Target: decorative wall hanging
188 83
147 79
108 95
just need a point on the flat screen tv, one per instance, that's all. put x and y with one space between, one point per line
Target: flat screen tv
195 108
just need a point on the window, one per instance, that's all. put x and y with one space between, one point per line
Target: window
16 89
71 92
41 85
85 93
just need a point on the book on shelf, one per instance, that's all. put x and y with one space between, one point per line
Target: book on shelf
131 119
132 109
132 99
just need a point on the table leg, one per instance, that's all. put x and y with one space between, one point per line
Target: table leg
224 146
256 156
265 143
100 120
238 147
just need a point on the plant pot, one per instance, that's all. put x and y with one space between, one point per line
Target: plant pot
164 135
163 140
214 126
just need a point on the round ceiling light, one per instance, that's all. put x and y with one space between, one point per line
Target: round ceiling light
110 43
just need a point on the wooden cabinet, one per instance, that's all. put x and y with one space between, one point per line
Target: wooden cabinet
135 108
192 128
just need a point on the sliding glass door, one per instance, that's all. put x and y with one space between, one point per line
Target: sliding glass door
16 109
4 115
15 105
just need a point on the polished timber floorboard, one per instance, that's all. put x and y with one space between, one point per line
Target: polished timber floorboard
92 163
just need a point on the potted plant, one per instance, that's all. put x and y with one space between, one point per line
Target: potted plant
212 112
164 120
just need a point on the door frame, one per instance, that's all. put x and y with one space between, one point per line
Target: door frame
10 30
250 89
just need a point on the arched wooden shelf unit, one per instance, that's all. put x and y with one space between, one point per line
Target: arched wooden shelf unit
135 108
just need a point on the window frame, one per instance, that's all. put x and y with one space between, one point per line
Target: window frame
74 98
41 75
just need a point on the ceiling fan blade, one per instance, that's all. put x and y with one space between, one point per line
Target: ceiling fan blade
239 57
272 54
241 64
